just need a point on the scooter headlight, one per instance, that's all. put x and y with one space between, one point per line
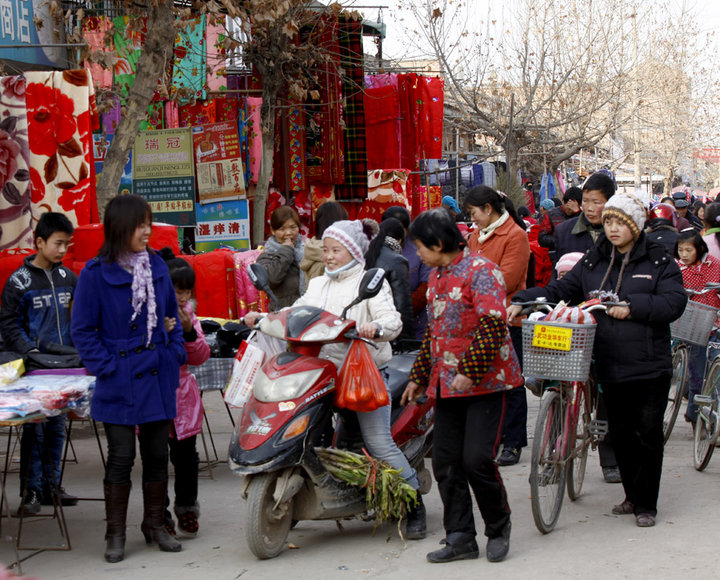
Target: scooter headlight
267 390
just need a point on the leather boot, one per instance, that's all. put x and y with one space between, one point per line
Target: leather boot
116 503
153 526
416 526
458 546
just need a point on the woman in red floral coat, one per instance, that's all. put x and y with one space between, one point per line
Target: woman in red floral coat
466 362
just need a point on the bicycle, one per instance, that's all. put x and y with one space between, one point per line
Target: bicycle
707 423
692 328
566 427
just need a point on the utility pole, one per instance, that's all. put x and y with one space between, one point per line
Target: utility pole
636 98
507 144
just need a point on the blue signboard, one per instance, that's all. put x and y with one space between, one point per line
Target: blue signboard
17 27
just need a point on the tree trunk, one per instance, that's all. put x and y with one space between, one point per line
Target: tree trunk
266 166
153 60
667 183
513 189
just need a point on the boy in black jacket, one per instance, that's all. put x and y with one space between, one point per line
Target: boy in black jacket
35 317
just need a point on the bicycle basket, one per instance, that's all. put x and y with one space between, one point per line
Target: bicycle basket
696 323
557 350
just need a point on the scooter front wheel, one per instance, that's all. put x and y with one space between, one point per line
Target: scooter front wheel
266 525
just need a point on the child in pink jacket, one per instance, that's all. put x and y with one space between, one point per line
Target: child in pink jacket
188 422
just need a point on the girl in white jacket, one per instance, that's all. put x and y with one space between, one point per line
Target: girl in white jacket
344 247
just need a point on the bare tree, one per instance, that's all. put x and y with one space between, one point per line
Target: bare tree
679 114
564 66
156 53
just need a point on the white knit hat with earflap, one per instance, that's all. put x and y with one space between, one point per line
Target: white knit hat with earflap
351 234
627 208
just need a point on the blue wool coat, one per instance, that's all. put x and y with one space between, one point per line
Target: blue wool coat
135 383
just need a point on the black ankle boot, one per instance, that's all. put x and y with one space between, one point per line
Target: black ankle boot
458 546
498 547
153 525
416 526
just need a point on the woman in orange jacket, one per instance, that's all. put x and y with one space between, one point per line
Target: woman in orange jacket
501 238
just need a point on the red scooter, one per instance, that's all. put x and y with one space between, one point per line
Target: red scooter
291 413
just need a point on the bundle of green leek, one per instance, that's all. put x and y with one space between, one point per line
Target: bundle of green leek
387 494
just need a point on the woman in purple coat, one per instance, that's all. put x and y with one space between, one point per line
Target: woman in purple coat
122 299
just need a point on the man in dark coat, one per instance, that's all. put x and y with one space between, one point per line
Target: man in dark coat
569 209
579 234
682 206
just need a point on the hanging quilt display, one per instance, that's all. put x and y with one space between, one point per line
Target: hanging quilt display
382 110
253 127
189 75
128 41
216 53
351 58
430 126
289 155
95 30
15 216
61 116
324 155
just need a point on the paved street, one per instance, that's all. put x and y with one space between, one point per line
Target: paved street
588 542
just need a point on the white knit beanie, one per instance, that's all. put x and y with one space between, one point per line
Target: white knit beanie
627 208
351 234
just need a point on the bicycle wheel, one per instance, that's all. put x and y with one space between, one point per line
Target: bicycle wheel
677 388
579 443
707 425
548 468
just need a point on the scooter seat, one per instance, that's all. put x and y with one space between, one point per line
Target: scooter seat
395 374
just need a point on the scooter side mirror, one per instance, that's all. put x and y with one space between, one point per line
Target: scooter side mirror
260 279
370 286
371 283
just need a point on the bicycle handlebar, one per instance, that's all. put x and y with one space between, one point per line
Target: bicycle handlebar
708 288
543 305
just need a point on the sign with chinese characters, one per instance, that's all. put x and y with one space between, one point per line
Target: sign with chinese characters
711 154
163 173
224 223
101 144
552 337
218 164
17 26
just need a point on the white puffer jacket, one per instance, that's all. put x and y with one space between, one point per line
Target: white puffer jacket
334 294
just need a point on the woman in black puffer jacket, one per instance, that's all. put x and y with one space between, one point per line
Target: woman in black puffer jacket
632 342
385 252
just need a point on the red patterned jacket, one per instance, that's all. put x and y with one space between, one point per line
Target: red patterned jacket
467 330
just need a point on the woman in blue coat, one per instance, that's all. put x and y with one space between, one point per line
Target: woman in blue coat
122 299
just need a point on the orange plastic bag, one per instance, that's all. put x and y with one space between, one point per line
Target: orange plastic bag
360 385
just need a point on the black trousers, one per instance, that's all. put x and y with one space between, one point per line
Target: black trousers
466 438
605 447
153 438
185 460
515 425
635 414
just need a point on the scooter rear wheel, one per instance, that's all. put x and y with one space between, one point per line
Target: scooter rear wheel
266 526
